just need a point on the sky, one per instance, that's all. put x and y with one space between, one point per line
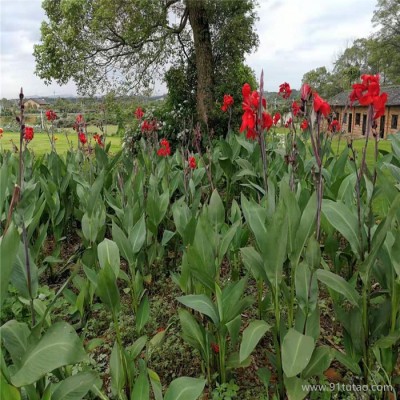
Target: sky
295 37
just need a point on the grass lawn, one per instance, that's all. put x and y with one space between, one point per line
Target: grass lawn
41 144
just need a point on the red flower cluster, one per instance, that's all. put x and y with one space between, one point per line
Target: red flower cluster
51 115
276 118
284 90
79 119
139 113
82 137
295 108
149 126
250 116
321 106
192 163
165 149
98 139
1 132
288 123
228 102
28 136
304 125
367 93
334 126
305 92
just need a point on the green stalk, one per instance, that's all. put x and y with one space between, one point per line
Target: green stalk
365 295
221 355
260 285
395 305
292 296
277 345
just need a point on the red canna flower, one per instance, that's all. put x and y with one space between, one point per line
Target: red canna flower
28 136
192 163
139 113
267 121
288 123
1 132
165 149
215 348
228 102
98 139
149 126
79 119
304 125
320 105
379 105
246 90
295 108
82 137
334 126
305 92
276 118
284 90
51 115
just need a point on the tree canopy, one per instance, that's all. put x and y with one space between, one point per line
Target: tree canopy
129 43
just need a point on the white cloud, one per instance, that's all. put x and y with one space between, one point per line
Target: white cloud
295 37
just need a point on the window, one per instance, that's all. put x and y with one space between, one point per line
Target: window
358 118
393 125
345 118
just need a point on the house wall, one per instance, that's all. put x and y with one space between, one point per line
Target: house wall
358 128
32 104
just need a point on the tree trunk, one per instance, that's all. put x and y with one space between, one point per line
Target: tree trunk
204 58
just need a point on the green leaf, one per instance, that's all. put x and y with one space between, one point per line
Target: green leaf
141 388
155 384
202 304
344 221
320 362
192 331
388 341
251 336
297 350
347 361
143 314
9 244
117 372
123 243
253 261
107 289
216 211
137 235
8 392
340 285
185 388
108 254
58 347
167 236
137 347
74 387
15 338
295 388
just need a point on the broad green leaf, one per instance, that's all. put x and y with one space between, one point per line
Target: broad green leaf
15 338
58 347
253 261
123 243
202 304
388 341
9 245
155 384
141 388
192 331
167 236
74 387
347 361
320 362
143 314
107 289
344 221
297 350
185 388
117 372
137 236
216 211
340 285
108 254
251 336
296 388
303 283
137 347
8 392
89 228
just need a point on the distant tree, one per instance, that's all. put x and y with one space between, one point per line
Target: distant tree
387 50
128 42
324 82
